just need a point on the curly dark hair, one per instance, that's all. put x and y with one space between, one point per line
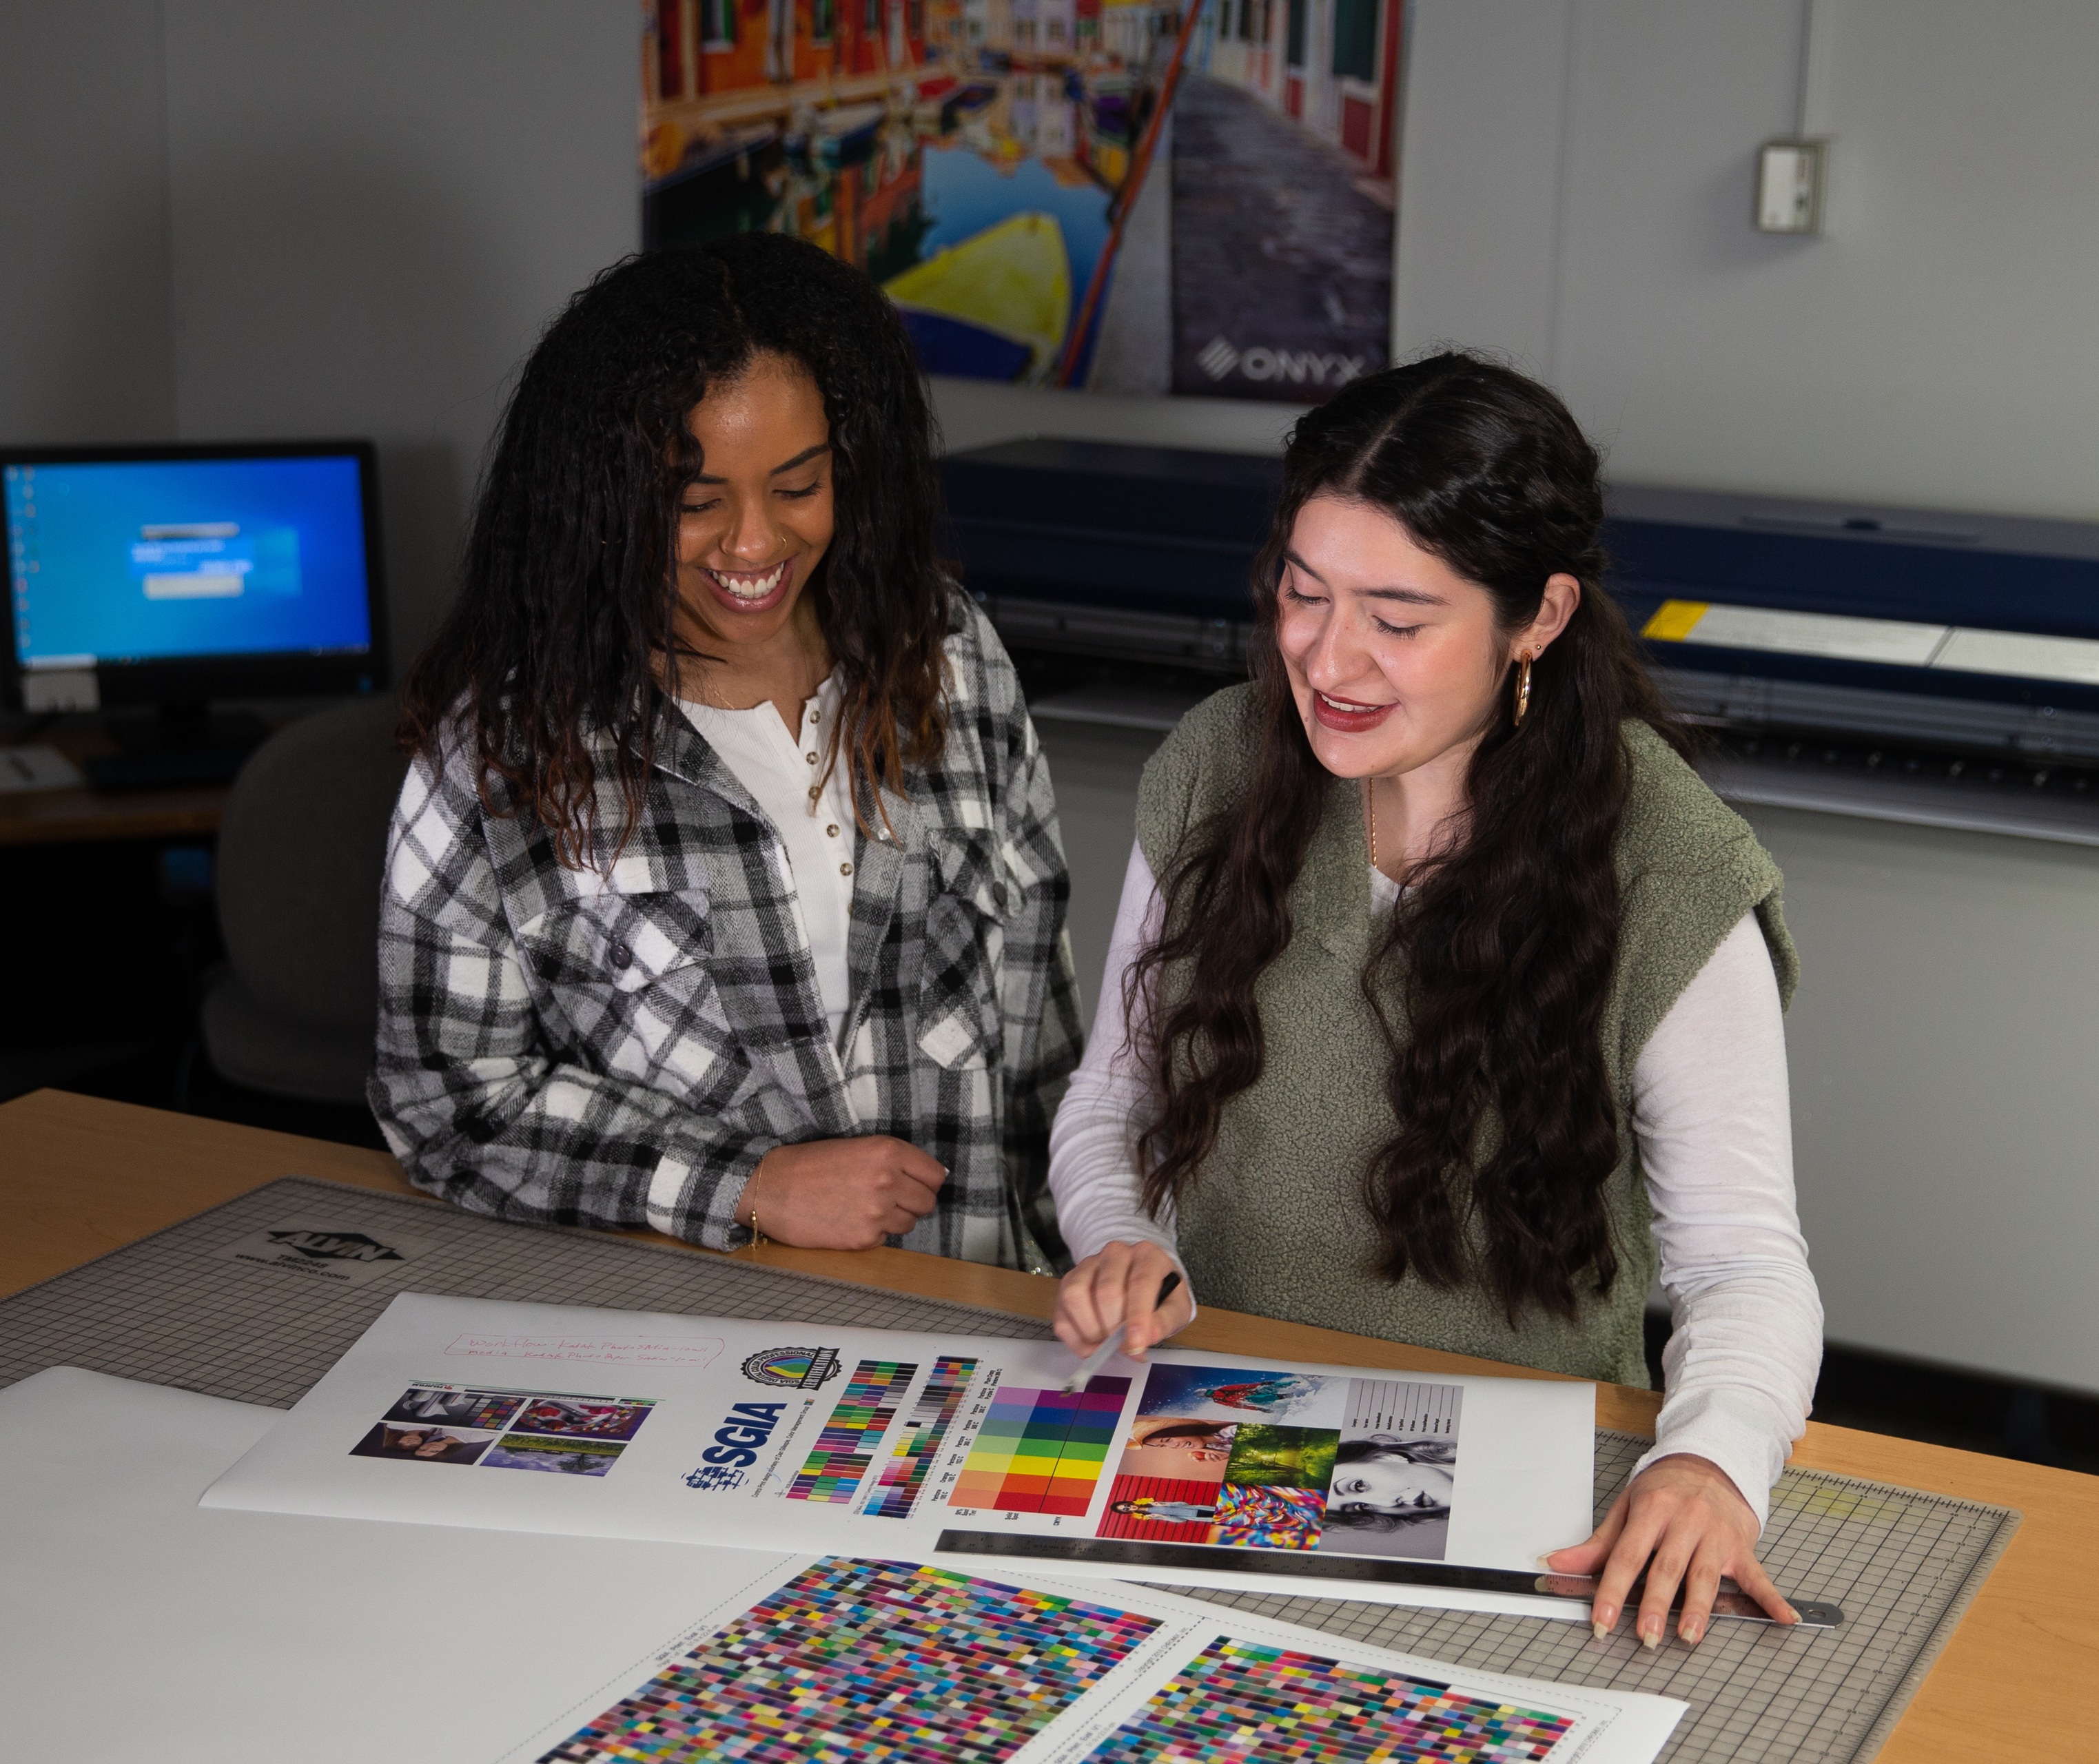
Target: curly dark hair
569 595
1502 955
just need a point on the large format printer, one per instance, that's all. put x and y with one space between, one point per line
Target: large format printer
1899 664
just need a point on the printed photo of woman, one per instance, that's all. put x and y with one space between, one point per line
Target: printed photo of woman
1391 1496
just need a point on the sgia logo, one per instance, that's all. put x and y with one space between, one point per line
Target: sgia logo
748 1426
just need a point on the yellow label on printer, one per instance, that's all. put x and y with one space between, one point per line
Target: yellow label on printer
1675 620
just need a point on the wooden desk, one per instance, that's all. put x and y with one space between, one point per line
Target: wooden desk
70 817
79 1177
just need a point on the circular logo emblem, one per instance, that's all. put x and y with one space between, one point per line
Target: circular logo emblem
792 1368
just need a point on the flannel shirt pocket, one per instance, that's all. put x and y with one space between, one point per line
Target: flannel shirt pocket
626 943
629 973
958 995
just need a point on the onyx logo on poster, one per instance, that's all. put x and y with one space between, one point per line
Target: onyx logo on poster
325 1251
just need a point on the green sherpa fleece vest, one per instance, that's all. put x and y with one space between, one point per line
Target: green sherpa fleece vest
1274 1223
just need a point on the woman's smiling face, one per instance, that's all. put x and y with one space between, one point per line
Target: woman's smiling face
1391 1484
1395 659
756 523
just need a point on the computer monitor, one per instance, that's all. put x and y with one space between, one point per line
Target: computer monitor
173 575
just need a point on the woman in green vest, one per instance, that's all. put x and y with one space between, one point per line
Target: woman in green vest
1444 1000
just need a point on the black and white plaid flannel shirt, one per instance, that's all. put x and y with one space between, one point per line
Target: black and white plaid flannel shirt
620 1046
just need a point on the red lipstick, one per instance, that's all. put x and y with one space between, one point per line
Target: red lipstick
1354 720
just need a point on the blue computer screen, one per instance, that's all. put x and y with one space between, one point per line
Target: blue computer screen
136 561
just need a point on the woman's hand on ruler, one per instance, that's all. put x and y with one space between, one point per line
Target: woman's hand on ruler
1682 1522
842 1194
1121 1281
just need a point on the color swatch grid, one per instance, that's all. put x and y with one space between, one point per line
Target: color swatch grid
1239 1699
846 1446
925 1432
869 1659
1041 1451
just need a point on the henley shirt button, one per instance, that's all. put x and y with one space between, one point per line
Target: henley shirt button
845 869
811 758
815 790
831 832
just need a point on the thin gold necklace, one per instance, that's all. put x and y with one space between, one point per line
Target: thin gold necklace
1370 798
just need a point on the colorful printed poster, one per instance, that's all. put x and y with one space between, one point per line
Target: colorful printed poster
1136 196
843 1660
1360 1467
913 1447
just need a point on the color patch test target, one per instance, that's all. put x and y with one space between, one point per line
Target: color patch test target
846 1446
1240 1701
869 1659
1041 1451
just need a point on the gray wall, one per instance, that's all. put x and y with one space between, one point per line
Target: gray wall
376 208
86 326
1577 191
237 218
1095 769
1942 1051
1576 194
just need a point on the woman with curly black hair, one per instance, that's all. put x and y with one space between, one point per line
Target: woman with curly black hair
1453 994
725 893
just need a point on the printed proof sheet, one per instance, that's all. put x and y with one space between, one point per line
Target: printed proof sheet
846 1659
884 1444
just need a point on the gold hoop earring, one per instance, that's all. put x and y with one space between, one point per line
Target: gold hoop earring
1522 686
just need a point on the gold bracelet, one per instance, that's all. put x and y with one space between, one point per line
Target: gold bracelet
749 1187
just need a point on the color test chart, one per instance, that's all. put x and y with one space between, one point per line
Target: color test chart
1041 1451
846 1446
844 1661
872 1660
925 1432
803 1438
1239 1700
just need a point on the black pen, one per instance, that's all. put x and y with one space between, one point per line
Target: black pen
1099 1357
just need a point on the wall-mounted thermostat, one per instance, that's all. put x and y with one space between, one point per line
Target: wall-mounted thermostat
1791 174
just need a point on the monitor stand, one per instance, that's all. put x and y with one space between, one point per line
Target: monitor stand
178 744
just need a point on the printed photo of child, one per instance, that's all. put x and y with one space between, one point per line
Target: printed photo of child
1171 1445
1167 1512
427 1445
1161 1509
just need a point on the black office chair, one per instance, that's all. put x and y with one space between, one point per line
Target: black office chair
302 856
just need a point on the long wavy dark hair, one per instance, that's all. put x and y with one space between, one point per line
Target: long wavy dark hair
569 591
1502 953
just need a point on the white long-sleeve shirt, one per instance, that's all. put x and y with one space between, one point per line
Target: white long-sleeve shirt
1711 1115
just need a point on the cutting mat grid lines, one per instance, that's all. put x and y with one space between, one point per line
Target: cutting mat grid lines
172 1309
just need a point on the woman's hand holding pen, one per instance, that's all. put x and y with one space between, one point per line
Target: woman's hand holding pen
841 1193
1120 1285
